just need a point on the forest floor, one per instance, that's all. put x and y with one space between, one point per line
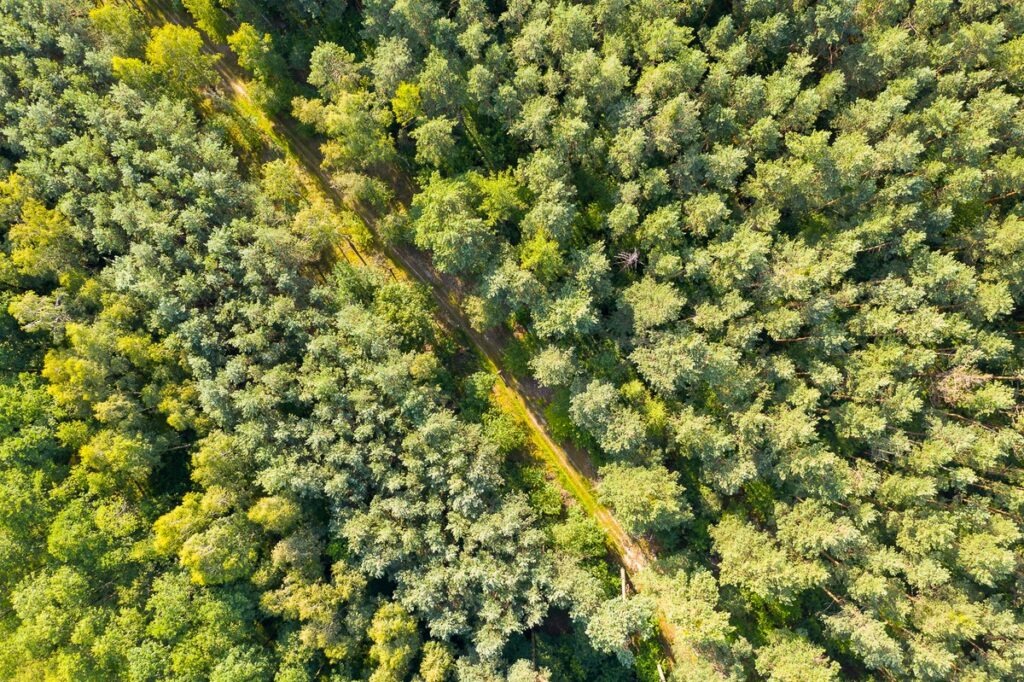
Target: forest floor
522 395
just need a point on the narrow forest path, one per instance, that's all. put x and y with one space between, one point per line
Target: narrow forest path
574 468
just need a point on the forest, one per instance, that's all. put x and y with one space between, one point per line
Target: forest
511 340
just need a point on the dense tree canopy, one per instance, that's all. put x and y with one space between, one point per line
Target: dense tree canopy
767 257
222 458
762 260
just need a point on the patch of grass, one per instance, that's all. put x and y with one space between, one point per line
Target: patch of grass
517 354
648 656
569 479
563 429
